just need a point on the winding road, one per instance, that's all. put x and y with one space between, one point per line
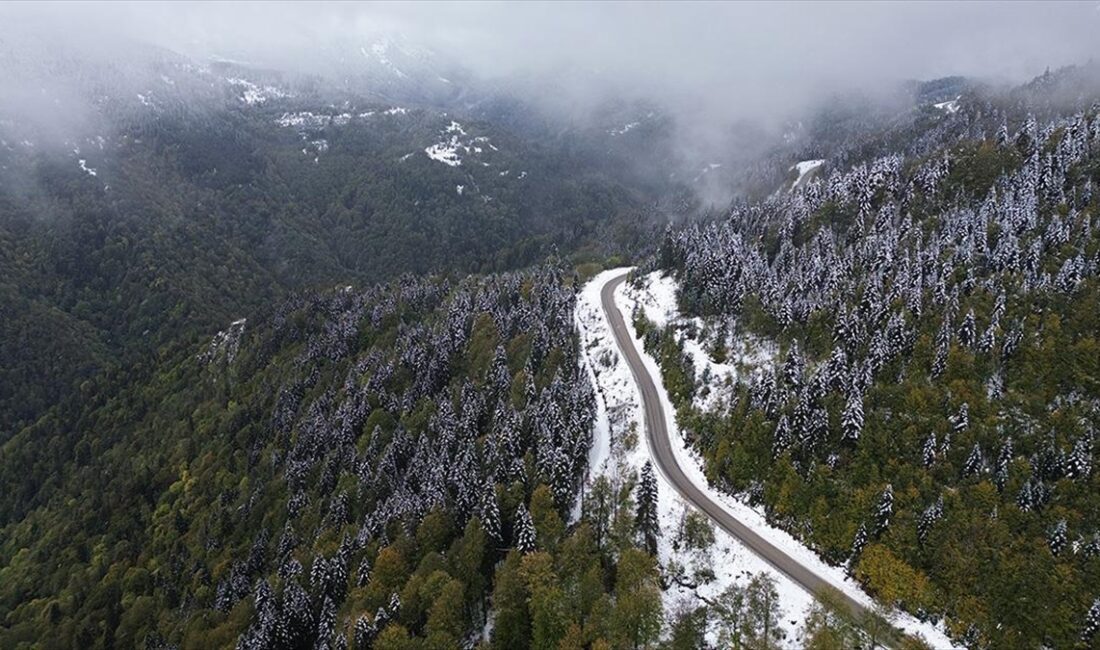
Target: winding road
665 459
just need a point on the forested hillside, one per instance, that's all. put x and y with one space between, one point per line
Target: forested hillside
411 451
291 357
930 421
167 220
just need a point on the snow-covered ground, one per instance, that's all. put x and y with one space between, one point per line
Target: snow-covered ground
456 143
805 168
950 106
253 94
619 413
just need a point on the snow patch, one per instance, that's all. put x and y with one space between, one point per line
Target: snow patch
83 165
805 169
253 94
624 129
455 145
949 107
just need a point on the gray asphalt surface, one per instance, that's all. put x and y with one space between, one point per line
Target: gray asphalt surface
657 434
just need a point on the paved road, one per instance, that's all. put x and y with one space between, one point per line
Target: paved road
657 434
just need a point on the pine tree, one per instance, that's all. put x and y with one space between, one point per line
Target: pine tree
793 366
1025 500
884 510
968 329
647 521
783 437
928 454
1079 463
365 632
974 462
489 512
961 421
525 531
852 419
1056 537
1000 477
1092 623
931 515
858 543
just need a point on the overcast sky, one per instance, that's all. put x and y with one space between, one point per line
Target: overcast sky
744 57
707 39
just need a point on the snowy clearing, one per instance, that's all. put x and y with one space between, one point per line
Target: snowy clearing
805 169
456 144
949 107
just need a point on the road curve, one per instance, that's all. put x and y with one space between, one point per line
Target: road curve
661 447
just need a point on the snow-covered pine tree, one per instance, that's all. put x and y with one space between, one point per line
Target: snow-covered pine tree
1079 462
365 631
1004 458
1025 499
858 543
968 329
1092 624
648 524
928 518
852 419
326 625
884 510
525 531
793 366
1056 537
782 438
939 362
489 512
928 454
837 368
961 421
974 462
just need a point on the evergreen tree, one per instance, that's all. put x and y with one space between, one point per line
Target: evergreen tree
968 329
1079 463
928 518
1056 537
858 543
974 462
1000 477
928 452
782 438
524 536
793 366
961 421
884 510
647 521
852 419
489 512
1092 624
